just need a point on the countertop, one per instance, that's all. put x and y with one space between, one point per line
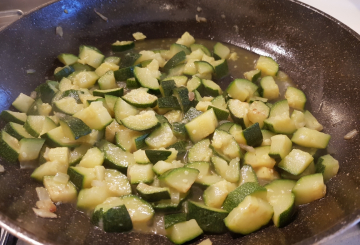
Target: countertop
346 11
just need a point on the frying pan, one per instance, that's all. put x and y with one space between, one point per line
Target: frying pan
320 54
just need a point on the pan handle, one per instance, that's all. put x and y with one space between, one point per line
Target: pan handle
4 237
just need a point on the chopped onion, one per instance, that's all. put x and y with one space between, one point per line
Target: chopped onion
47 205
66 11
191 96
156 182
33 94
30 71
200 19
61 178
247 148
97 183
100 173
121 84
198 9
101 16
351 134
44 213
42 193
175 196
59 31
2 169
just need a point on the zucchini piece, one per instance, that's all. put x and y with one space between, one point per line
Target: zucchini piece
258 112
152 193
266 137
118 92
185 40
204 49
63 72
17 131
241 89
181 179
23 103
74 128
202 126
60 192
132 83
34 125
46 91
280 147
15 117
296 98
203 67
67 59
239 112
209 219
194 84
296 162
247 174
221 51
311 169
174 116
10 147
179 130
29 150
299 118
117 183
238 195
122 110
166 87
268 88
110 102
78 153
267 66
92 158
120 46
157 155
221 68
327 166
85 79
96 116
124 73
230 172
161 166
57 138
282 200
169 102
90 56
179 80
161 137
311 122
172 219
252 75
225 126
112 59
173 205
191 114
129 140
180 146
112 218
68 105
73 93
89 198
225 145
182 94
253 135
81 67
280 125
259 158
211 88
184 231
250 215
115 157
237 132
138 173
215 195
147 78
310 138
177 59
280 109
81 177
309 188
140 98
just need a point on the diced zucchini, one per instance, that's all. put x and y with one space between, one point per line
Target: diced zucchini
140 98
96 116
179 80
9 147
298 118
180 179
89 198
241 89
203 67
252 75
129 140
114 92
211 88
112 59
46 91
182 94
85 79
157 155
62 72
209 219
311 122
225 145
23 102
93 157
296 162
225 126
112 218
221 68
253 135
247 174
90 55
239 112
311 138
166 87
280 147
258 112
140 173
266 137
280 125
259 158
169 102
60 192
34 125
186 40
161 166
152 193
67 59
147 78
29 149
215 195
124 73
81 177
238 195
122 110
143 121
185 231
17 131
74 128
309 188
280 108
311 169
117 183
328 166
120 46
57 138
202 126
296 98
250 215
172 219
230 172
201 151
68 106
15 117
267 66
161 137
78 153
178 58
268 88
